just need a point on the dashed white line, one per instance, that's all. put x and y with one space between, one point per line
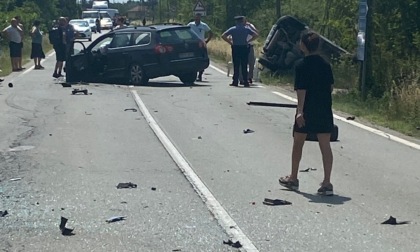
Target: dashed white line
222 216
370 129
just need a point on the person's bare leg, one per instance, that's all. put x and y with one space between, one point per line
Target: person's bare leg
327 156
35 62
298 142
15 63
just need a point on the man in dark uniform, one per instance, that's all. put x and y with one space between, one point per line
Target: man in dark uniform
237 37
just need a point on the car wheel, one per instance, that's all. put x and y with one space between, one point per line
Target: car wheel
188 78
137 75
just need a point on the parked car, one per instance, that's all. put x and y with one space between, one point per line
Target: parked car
92 24
82 29
136 54
106 23
281 49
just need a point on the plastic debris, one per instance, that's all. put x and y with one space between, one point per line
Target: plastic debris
248 131
3 213
15 179
131 109
276 202
233 244
65 231
153 188
393 221
126 185
351 118
115 219
76 91
309 169
10 85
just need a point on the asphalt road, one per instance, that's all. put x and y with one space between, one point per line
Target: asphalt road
70 152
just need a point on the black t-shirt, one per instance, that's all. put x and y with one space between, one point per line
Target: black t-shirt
314 75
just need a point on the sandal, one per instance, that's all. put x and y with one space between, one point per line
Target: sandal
288 183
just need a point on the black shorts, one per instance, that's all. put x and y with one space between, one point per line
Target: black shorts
15 49
60 52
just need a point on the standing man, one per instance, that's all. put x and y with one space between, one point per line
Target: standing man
240 50
14 34
21 43
251 55
200 28
64 45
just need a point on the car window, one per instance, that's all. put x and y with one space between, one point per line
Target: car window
120 40
102 44
184 34
141 38
175 36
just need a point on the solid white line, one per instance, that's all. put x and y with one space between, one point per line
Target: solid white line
370 129
224 219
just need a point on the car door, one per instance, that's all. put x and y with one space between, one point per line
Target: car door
118 54
88 64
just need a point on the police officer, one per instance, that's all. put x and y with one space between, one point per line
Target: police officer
237 37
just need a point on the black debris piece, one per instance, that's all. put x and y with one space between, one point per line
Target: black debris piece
65 231
417 128
77 91
126 185
248 131
393 221
276 202
233 244
153 188
309 169
272 104
64 84
176 250
3 213
199 137
131 109
123 202
115 219
351 118
10 85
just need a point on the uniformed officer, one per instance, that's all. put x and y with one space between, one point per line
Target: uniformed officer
237 37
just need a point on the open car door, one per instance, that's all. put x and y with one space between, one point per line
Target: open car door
77 63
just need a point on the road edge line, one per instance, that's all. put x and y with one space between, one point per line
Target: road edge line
221 215
362 126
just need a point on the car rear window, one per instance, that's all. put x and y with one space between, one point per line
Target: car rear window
176 36
141 38
121 40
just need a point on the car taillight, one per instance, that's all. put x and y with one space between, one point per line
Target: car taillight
160 49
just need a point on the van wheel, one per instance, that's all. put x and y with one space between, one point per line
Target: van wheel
137 76
188 78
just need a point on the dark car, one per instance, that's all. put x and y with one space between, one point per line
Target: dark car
281 48
136 54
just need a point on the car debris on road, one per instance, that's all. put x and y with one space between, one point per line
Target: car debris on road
115 219
126 185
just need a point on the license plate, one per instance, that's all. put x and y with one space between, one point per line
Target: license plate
186 55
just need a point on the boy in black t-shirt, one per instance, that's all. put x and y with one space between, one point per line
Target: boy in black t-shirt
313 84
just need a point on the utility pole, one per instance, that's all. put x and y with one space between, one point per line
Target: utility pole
278 8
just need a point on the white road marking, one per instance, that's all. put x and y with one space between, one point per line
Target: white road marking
224 219
370 129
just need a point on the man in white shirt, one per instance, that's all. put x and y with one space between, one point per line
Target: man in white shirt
200 28
14 34
251 55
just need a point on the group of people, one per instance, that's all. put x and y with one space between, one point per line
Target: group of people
241 38
14 34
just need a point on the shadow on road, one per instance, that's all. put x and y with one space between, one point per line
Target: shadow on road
332 200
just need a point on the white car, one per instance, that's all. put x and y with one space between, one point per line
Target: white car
82 29
106 23
92 24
